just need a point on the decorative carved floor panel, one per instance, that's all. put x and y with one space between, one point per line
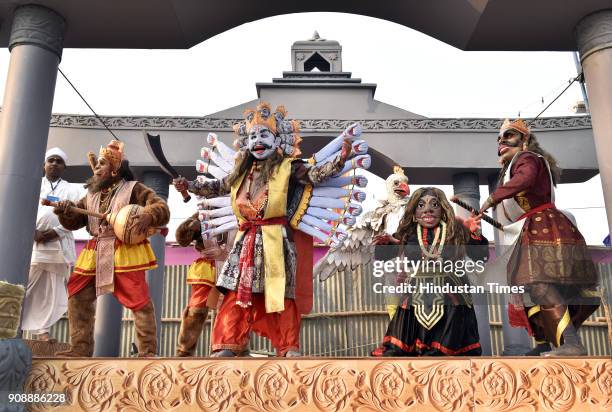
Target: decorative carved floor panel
324 384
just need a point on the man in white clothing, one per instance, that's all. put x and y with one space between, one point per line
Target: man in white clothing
53 253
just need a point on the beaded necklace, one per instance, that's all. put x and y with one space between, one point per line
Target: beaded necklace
108 195
259 210
422 235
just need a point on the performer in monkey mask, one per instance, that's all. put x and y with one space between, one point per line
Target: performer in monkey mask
107 265
547 254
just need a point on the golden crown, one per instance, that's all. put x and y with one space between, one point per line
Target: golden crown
113 152
518 125
262 115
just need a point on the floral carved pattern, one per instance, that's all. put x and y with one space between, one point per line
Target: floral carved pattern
268 392
210 384
328 385
602 376
92 384
443 385
309 125
152 393
43 379
289 385
558 389
505 390
386 390
558 385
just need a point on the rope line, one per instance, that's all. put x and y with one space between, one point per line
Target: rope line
555 99
88 105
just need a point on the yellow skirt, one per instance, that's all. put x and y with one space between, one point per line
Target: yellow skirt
128 258
202 271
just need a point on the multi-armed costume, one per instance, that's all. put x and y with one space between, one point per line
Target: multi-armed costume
107 265
267 278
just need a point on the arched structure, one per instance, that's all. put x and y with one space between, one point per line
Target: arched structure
169 24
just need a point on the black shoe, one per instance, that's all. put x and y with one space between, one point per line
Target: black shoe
224 353
568 349
539 349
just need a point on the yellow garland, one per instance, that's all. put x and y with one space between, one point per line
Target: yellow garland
431 252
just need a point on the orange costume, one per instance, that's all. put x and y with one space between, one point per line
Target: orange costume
267 278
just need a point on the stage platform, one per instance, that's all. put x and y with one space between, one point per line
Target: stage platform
325 384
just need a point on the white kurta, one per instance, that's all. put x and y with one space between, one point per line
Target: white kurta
46 298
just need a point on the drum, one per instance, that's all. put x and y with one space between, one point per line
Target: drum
122 223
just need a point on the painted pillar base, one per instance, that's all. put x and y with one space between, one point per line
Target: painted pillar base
15 367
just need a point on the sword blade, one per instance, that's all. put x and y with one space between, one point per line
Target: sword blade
155 150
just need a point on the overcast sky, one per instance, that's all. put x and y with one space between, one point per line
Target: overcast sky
412 71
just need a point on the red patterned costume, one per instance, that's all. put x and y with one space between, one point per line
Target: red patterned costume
547 254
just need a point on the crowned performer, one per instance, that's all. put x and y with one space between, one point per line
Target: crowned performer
266 269
547 254
53 253
107 265
433 323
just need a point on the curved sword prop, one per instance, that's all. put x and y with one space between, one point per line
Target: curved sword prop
155 150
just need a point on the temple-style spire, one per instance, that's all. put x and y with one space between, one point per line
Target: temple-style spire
316 54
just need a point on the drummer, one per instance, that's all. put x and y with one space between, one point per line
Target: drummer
107 265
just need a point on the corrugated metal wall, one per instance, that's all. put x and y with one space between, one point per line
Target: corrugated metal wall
348 319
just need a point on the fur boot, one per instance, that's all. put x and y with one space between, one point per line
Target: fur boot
145 330
191 329
81 320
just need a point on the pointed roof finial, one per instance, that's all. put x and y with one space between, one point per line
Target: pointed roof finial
316 37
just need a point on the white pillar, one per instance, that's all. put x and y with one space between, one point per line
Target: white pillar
36 47
594 39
